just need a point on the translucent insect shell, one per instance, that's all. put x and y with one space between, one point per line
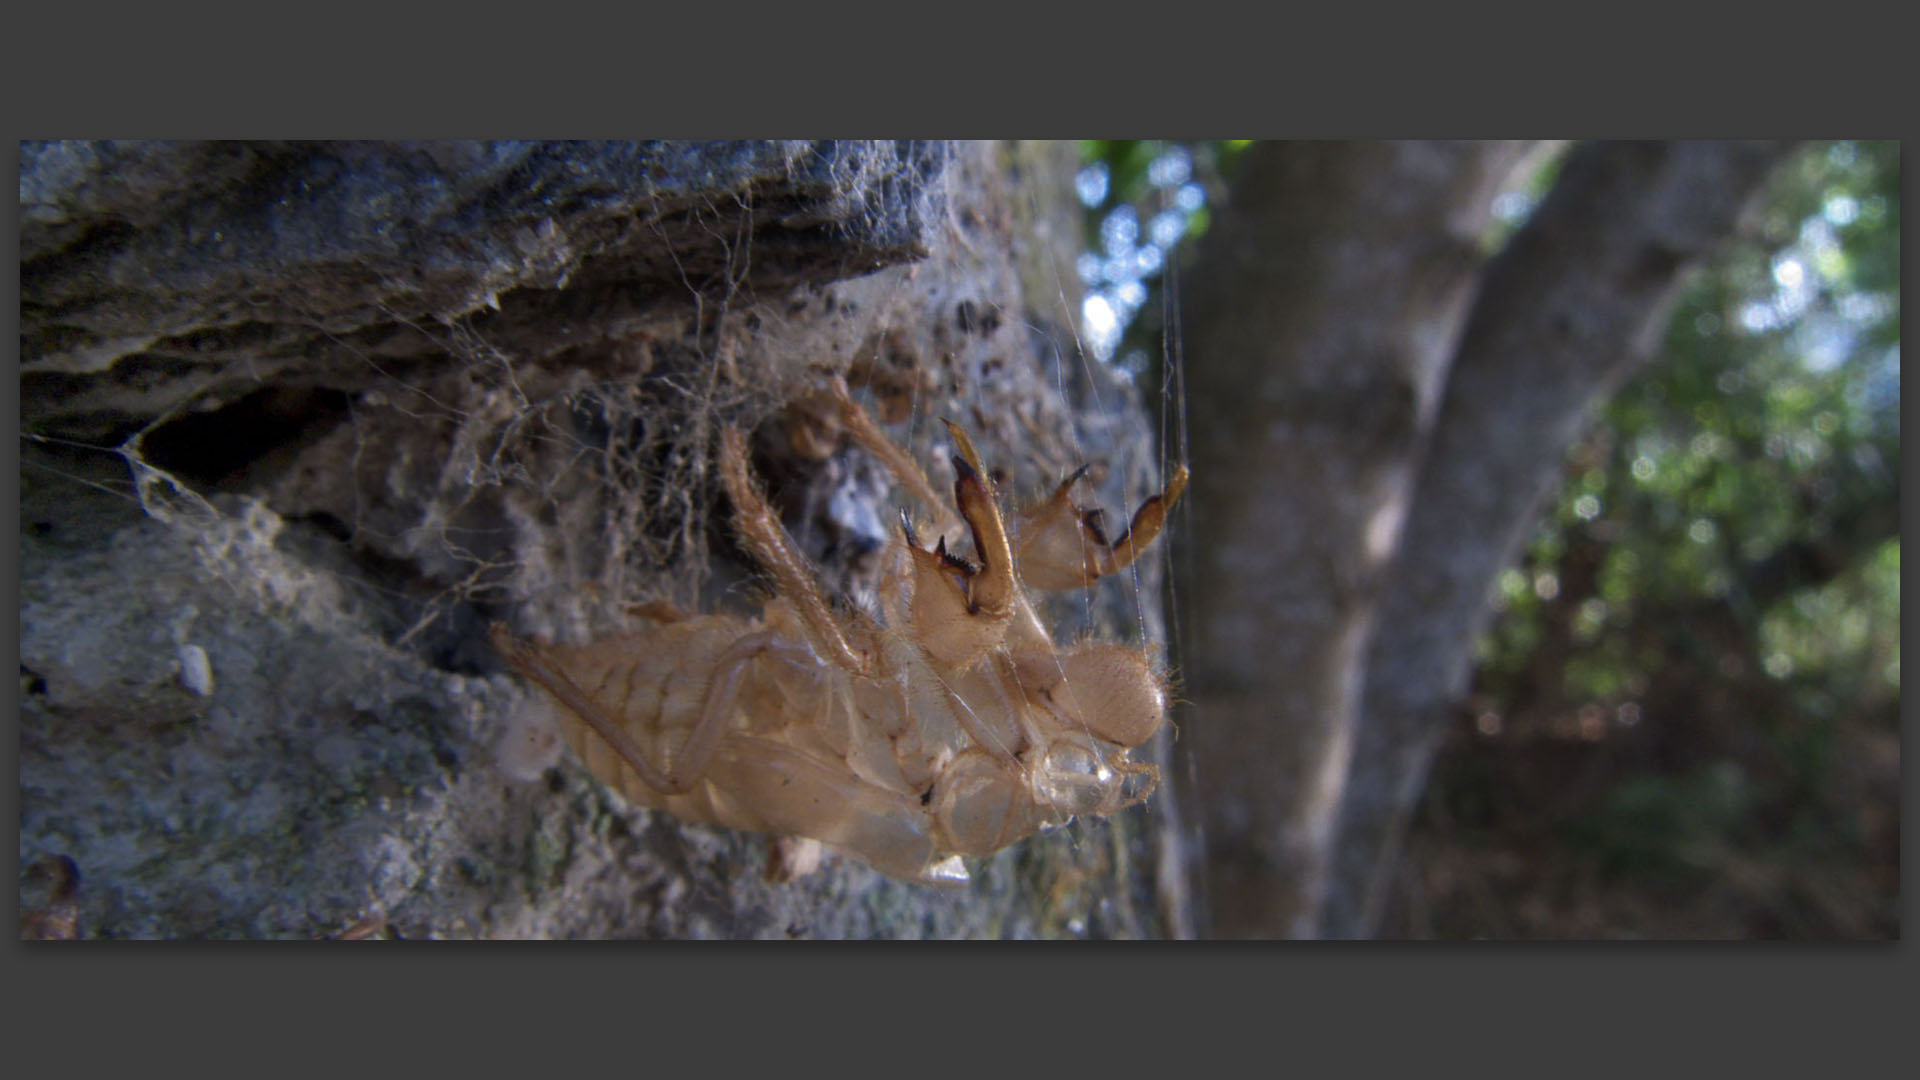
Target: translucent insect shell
944 722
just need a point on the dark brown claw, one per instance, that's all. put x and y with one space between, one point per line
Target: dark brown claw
1064 547
990 589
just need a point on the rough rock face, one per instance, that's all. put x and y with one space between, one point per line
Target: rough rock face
301 419
168 270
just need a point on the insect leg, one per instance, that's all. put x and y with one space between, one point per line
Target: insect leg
716 710
989 592
860 425
1145 527
1062 546
767 540
959 611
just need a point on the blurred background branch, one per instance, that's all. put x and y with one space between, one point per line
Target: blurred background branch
1640 630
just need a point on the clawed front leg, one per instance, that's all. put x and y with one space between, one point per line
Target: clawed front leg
990 589
960 610
1061 546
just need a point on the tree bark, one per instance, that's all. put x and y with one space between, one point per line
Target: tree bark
1322 312
1366 466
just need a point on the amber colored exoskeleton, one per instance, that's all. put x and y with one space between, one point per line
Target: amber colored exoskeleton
939 721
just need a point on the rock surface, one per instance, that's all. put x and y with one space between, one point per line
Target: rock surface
301 419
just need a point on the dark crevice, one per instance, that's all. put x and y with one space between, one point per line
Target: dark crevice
397 596
232 448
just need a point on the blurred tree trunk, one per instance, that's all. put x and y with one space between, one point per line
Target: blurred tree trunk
1384 411
1321 316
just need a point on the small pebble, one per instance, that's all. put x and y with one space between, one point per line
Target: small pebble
196 672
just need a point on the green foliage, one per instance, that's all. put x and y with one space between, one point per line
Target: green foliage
1770 426
1724 559
1667 826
